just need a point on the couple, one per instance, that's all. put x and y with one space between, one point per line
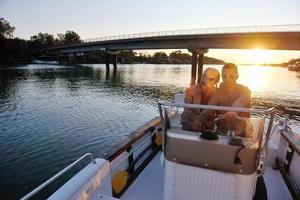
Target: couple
229 93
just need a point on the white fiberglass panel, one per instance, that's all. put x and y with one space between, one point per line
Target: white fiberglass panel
194 183
295 168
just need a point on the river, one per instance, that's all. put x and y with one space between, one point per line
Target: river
51 115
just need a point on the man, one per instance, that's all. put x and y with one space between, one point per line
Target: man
230 93
199 94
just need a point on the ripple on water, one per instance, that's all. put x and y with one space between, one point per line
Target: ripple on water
51 115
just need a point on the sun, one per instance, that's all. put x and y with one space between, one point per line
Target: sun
253 77
257 56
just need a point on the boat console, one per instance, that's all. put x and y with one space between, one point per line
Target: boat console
222 154
207 165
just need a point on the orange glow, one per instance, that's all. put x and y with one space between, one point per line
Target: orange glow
253 56
242 56
253 78
257 56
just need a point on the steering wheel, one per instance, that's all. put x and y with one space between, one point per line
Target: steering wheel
232 127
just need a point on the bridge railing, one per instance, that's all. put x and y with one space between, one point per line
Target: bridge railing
221 30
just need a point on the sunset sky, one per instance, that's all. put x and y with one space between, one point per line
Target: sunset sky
96 18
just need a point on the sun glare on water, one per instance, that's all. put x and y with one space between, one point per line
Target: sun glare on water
254 77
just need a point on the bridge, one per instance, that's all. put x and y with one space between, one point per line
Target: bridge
197 41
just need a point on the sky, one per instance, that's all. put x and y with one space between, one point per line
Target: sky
96 18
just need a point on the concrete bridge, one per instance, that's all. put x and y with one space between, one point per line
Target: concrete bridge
197 41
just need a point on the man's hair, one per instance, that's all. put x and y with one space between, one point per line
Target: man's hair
231 66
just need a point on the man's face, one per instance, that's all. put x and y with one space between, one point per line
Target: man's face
229 77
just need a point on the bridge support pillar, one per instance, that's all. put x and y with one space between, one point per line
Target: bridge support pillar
70 58
115 61
200 63
194 68
197 60
107 58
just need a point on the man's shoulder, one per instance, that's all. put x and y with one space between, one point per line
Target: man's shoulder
239 88
243 88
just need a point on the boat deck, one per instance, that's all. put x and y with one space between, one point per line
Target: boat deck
150 183
275 185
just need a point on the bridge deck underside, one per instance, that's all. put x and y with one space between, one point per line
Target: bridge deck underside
275 41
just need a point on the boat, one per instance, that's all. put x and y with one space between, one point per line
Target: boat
49 62
294 65
161 161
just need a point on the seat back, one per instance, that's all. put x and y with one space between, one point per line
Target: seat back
187 182
188 148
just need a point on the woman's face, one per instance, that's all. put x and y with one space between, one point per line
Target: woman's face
210 81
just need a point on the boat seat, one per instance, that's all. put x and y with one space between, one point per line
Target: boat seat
196 168
188 182
188 148
179 98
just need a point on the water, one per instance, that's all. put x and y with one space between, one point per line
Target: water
51 115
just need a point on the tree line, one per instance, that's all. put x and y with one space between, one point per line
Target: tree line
175 57
16 50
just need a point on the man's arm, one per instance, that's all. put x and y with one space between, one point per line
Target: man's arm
245 99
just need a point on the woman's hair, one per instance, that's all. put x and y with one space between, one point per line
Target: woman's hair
212 70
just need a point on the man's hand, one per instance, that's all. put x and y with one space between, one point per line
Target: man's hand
229 116
198 125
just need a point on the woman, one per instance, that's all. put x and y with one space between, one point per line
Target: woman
199 94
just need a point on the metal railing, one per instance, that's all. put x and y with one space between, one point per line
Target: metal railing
202 31
42 186
133 150
214 107
36 190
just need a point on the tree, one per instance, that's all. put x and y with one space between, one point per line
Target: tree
6 31
70 37
179 57
42 39
127 54
160 55
60 39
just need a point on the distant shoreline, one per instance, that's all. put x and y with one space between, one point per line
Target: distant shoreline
134 63
267 65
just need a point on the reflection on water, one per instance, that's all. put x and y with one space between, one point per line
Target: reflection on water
51 115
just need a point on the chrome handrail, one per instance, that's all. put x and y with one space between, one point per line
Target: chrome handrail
213 107
133 150
42 186
270 112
